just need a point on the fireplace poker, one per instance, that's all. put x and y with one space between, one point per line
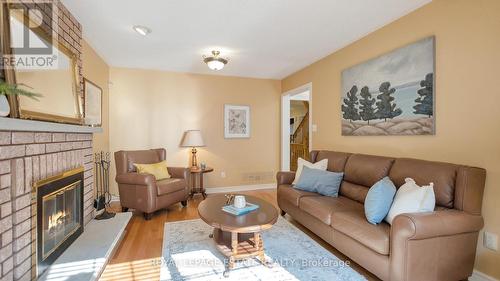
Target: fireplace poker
99 201
104 196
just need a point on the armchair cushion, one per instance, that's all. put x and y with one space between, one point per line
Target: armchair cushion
167 186
158 170
143 157
135 179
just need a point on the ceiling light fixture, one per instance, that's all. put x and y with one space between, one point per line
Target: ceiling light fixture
142 30
214 62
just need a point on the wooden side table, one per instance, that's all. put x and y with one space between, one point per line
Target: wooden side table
198 173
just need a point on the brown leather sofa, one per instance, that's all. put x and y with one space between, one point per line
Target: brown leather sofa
439 245
142 191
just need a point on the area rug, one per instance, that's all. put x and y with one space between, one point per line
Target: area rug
189 254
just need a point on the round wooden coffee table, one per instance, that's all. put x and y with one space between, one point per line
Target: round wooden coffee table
238 237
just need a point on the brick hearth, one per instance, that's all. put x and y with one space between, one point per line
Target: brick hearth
26 157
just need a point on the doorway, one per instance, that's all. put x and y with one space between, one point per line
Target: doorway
296 124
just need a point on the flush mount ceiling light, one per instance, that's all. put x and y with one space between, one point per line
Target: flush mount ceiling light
142 30
214 62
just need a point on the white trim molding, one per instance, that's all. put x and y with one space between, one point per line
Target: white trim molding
285 122
479 276
240 188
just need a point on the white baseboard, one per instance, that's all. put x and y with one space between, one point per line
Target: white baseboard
479 276
236 188
240 188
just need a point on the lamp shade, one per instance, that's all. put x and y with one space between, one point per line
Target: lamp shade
192 138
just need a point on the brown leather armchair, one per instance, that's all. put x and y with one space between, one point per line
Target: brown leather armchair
142 191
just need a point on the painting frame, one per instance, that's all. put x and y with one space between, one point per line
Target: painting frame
92 94
243 124
409 93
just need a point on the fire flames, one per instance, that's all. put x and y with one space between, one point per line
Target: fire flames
56 220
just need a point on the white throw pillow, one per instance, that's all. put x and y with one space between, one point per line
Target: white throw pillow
412 198
321 165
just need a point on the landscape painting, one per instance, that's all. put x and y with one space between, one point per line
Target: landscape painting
392 94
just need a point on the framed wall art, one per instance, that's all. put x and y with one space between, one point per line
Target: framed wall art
392 94
93 103
236 121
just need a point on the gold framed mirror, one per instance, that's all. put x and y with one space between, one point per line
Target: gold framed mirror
56 79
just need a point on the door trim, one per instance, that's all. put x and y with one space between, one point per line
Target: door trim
285 122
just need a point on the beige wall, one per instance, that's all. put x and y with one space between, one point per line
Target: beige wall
467 97
153 108
96 70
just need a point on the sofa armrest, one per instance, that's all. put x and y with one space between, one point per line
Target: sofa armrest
434 224
135 179
285 177
429 246
178 172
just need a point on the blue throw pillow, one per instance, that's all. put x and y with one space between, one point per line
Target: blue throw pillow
319 181
379 200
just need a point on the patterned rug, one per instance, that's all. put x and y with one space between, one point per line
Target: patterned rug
189 254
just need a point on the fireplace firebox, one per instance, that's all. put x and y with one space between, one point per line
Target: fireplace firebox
59 209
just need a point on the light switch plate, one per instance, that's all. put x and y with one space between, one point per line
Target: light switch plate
490 241
314 128
223 174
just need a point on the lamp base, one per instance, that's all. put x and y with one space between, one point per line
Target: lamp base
194 162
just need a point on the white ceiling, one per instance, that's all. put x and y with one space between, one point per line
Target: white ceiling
262 38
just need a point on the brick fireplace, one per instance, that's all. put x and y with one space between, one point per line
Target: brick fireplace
31 151
25 158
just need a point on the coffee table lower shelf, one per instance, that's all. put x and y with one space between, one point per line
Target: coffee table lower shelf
239 246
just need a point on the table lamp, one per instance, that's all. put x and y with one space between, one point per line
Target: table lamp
193 139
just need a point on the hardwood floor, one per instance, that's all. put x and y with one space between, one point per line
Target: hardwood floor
139 254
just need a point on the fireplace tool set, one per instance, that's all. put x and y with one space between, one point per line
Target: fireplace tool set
102 163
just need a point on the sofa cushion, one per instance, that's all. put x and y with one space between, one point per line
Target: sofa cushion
301 163
353 191
443 175
355 225
167 186
379 200
336 160
366 170
323 182
322 207
412 198
292 195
